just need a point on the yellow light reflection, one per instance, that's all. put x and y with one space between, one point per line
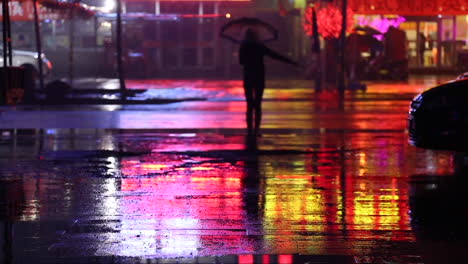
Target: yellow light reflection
153 166
364 212
292 205
200 168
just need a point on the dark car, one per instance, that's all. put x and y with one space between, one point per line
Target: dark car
438 117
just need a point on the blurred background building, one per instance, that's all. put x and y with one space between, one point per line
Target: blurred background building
179 38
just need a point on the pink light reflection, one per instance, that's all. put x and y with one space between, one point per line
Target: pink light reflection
170 211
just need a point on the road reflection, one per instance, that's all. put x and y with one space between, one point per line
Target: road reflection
194 194
335 196
438 211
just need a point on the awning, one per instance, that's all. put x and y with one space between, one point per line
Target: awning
22 10
410 7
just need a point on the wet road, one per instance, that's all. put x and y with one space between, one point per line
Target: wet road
181 183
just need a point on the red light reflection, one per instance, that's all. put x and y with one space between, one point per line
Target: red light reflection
246 259
285 259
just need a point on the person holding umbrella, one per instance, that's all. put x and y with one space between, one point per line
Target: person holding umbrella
251 53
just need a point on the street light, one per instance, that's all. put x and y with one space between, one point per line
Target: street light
109 5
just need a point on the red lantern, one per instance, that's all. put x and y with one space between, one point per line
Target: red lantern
329 20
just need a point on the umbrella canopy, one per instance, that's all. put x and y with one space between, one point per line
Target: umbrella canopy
235 29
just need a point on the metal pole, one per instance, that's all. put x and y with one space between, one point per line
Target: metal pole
71 45
5 36
6 17
159 48
120 69
342 47
5 73
316 51
199 46
96 53
38 45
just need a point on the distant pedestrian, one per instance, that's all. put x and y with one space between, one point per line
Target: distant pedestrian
251 55
395 45
421 48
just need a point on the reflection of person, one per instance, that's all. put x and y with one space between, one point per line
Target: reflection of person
251 183
251 55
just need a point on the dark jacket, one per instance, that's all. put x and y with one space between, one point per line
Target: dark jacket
251 55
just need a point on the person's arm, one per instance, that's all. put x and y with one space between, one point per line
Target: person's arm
278 56
273 31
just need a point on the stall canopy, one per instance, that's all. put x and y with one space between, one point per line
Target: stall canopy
22 10
410 7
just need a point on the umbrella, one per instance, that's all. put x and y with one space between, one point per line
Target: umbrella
366 30
235 29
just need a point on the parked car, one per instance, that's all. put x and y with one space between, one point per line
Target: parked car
438 117
29 59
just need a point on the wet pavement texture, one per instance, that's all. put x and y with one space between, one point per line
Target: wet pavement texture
183 183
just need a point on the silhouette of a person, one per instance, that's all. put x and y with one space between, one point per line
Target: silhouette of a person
251 54
421 48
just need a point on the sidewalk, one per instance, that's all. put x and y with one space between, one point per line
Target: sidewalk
167 90
170 104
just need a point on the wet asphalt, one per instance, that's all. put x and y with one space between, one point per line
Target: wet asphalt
183 183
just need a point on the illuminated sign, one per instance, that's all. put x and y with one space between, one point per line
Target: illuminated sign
405 7
23 11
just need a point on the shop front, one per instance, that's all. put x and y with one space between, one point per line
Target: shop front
160 37
179 38
437 31
437 42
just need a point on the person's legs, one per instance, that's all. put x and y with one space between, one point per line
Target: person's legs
258 104
249 99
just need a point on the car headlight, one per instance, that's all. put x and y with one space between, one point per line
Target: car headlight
42 56
416 102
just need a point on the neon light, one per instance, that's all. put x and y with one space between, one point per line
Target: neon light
202 16
380 23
